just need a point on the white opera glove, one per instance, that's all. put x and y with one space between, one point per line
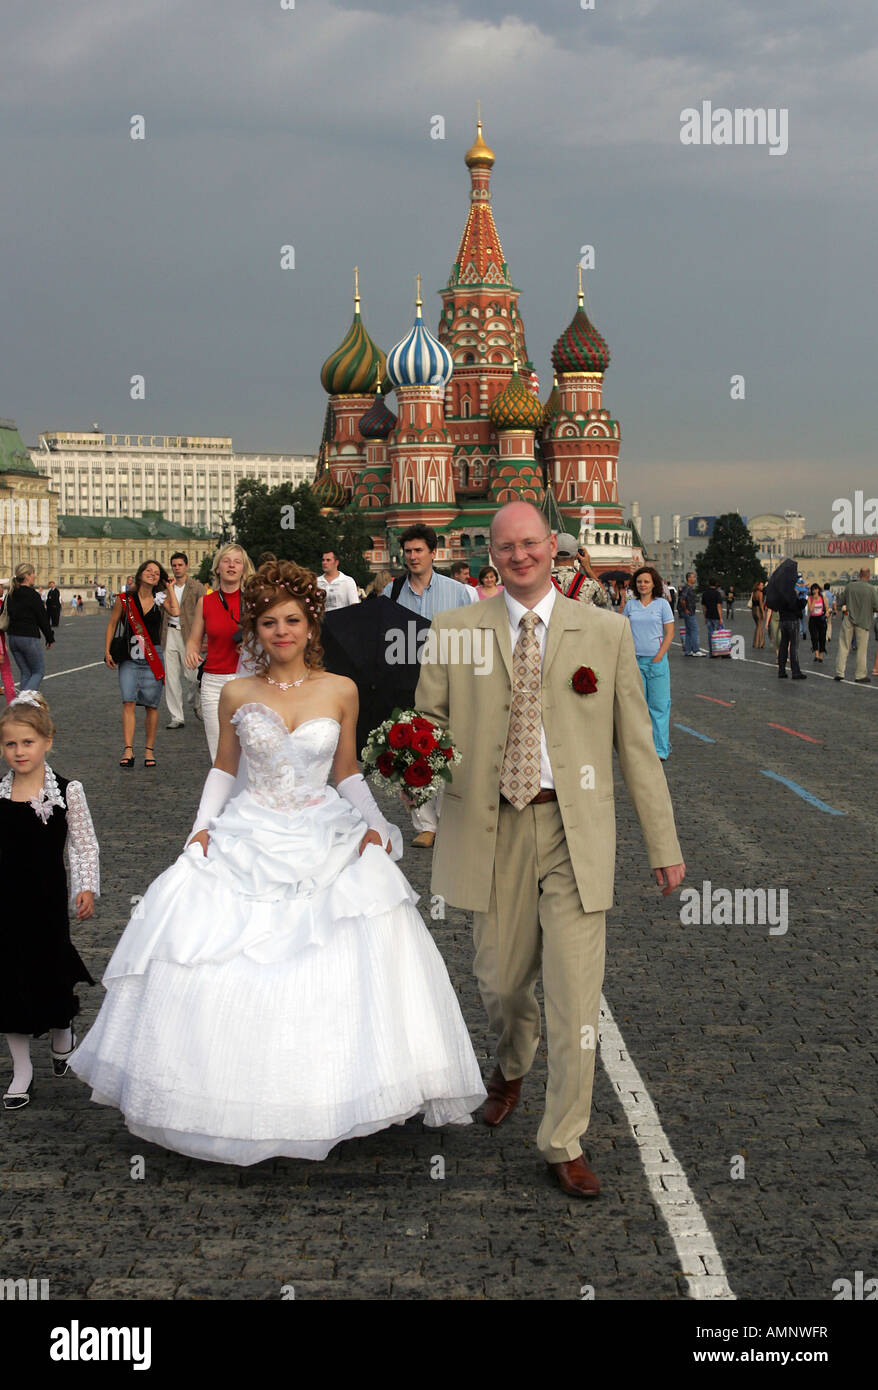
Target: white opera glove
217 790
355 789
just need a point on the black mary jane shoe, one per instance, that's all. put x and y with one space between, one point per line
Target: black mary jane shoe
60 1064
17 1100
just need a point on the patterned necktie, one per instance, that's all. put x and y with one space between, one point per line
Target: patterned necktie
520 774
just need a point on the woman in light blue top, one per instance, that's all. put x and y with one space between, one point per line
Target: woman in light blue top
652 626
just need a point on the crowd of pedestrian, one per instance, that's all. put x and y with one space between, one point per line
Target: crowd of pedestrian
170 632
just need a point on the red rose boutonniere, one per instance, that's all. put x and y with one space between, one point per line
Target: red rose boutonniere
584 681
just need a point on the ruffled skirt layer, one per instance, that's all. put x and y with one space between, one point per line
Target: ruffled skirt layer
278 996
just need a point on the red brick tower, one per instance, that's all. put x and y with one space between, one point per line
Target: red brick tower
482 329
581 440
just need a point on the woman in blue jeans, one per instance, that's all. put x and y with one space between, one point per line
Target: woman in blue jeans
27 620
652 626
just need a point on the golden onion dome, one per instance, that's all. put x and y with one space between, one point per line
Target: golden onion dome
516 407
327 492
553 404
479 153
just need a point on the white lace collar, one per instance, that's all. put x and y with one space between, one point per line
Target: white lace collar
47 798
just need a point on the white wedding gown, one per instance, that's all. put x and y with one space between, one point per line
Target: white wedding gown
282 993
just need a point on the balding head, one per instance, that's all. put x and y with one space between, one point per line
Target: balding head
523 548
518 509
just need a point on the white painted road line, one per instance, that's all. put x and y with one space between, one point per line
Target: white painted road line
699 1257
71 669
772 665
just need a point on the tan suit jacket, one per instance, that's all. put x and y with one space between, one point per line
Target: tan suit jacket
193 591
581 732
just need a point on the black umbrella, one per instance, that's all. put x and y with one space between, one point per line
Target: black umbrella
376 645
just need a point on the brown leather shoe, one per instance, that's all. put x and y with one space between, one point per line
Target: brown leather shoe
576 1178
502 1098
424 840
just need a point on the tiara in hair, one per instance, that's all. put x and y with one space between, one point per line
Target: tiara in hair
267 591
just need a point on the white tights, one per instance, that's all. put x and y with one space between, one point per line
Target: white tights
22 1067
22 1074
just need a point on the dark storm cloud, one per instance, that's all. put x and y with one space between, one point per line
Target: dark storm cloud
311 127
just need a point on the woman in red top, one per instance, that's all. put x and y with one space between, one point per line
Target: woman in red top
218 618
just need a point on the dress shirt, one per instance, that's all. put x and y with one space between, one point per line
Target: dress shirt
440 594
178 590
543 610
340 592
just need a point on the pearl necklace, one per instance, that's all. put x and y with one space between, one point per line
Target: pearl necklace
288 685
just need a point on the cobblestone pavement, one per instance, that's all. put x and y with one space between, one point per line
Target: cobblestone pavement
750 1044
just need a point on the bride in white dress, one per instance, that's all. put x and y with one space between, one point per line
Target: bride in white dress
276 990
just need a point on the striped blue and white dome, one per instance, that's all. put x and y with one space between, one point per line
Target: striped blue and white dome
419 359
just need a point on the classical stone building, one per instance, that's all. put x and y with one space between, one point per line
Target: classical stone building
77 551
28 507
190 479
91 550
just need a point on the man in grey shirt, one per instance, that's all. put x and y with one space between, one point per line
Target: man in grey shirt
428 593
859 600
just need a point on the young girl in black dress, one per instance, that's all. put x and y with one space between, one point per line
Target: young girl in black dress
39 966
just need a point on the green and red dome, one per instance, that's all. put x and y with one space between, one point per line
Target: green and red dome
580 347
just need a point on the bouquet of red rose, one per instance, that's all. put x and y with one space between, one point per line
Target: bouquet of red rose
410 752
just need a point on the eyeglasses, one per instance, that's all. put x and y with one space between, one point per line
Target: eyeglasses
529 547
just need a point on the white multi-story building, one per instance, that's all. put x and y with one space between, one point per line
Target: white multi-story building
190 479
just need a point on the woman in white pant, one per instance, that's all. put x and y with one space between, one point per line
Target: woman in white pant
218 617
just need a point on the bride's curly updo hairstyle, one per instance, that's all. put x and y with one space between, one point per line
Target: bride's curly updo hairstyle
276 582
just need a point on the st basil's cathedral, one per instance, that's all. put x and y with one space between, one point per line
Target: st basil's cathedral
470 432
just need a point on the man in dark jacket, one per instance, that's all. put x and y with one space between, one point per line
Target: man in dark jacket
781 597
53 603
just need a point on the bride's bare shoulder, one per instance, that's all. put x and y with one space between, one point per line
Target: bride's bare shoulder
236 693
341 686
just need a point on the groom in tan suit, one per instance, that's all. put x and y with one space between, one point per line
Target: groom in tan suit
527 836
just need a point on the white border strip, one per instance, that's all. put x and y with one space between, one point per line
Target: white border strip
772 666
699 1257
71 670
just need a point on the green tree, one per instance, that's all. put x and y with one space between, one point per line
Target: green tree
288 521
730 556
353 535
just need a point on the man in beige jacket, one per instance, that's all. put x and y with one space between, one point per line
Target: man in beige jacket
527 835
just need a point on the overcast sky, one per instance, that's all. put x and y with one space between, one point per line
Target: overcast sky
311 127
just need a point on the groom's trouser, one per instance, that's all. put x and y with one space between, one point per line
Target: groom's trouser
535 911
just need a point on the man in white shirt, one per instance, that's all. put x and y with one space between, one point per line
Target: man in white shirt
175 632
340 589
